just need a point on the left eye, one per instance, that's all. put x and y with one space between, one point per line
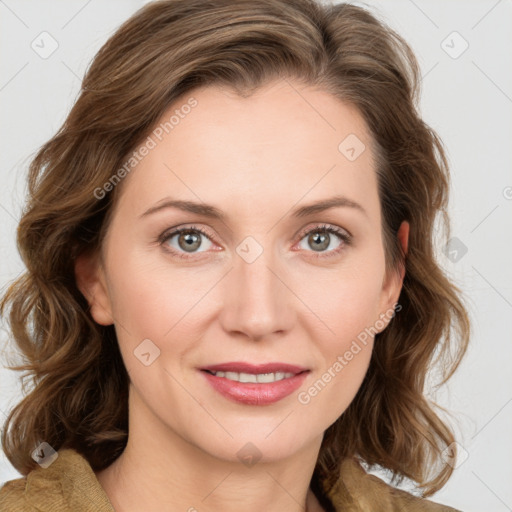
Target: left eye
319 238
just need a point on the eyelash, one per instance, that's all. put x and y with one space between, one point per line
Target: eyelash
345 237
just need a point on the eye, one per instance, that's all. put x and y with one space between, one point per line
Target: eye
187 240
321 239
184 242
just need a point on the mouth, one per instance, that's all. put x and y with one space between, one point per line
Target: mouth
260 378
262 373
255 384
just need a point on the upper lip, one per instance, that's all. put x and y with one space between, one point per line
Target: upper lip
241 367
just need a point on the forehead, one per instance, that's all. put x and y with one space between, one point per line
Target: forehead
284 142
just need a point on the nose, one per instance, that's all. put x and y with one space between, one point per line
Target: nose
258 303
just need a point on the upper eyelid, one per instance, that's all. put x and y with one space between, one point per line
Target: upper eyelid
324 225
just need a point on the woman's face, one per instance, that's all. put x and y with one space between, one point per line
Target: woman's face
263 285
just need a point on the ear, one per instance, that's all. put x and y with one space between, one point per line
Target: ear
90 280
392 285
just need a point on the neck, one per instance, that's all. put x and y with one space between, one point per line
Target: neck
160 470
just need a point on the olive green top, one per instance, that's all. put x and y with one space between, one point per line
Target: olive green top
70 485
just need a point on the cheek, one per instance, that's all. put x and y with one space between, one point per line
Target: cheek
344 350
153 301
346 300
347 303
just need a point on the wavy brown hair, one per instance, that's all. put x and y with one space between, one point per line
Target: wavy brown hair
78 393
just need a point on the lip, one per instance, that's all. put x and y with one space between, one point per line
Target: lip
250 393
241 367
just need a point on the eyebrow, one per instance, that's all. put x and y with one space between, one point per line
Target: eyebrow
211 211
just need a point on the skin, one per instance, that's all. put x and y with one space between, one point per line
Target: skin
256 159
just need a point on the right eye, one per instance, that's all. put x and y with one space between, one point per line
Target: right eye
183 241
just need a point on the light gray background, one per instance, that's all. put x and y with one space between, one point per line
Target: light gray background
467 100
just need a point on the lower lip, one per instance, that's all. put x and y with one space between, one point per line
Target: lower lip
251 393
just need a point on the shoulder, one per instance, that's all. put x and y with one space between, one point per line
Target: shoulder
68 484
12 496
356 490
31 493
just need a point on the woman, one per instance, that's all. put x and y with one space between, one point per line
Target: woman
231 275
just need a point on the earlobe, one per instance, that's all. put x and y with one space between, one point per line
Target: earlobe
90 280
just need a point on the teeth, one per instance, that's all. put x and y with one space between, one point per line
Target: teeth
251 377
